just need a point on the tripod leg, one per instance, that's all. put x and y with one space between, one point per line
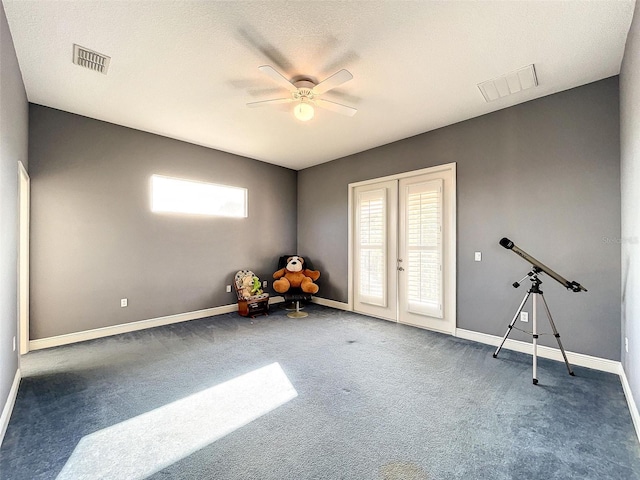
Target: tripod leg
515 318
557 335
535 339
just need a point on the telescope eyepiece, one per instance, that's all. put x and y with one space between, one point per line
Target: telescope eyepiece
506 243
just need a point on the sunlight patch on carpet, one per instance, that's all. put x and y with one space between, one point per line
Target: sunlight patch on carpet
402 471
143 445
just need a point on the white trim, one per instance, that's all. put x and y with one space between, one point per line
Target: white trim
602 364
24 194
452 245
429 170
633 408
580 359
8 406
331 303
135 326
128 327
350 247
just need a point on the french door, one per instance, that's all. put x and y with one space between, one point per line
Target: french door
403 248
375 272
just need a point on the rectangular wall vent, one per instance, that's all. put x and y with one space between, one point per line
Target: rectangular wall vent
90 59
509 83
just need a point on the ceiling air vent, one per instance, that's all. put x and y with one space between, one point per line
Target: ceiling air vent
90 59
509 83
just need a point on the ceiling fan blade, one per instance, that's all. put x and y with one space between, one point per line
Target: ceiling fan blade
333 81
336 107
274 101
278 77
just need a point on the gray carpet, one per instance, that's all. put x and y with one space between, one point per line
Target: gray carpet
333 396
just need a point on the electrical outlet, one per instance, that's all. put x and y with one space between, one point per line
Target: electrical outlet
626 344
264 284
228 288
14 344
524 316
124 302
478 256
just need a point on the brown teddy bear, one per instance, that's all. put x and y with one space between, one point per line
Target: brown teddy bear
295 275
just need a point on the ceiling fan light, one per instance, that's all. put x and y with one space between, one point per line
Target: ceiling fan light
303 111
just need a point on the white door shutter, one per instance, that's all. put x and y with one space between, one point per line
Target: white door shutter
371 246
375 249
423 264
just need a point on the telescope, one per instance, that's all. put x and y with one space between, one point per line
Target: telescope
536 293
541 267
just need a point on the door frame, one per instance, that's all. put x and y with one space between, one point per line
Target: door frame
24 196
450 244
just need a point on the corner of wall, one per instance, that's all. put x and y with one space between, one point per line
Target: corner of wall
13 149
630 234
9 404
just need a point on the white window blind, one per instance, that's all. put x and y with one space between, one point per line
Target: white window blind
371 235
424 248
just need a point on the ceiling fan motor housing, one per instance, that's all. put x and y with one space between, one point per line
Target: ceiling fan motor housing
304 90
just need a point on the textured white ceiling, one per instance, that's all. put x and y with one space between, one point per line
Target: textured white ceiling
186 69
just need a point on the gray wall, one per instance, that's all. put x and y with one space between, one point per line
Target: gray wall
545 173
13 148
630 170
94 239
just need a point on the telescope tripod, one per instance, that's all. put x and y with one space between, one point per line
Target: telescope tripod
535 292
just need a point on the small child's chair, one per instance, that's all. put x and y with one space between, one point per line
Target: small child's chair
249 304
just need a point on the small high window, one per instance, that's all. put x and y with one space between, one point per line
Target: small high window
175 195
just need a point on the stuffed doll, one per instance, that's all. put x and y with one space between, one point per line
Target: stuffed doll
256 288
295 275
247 286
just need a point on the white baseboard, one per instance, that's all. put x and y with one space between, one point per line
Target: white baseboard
579 359
633 408
602 364
8 406
596 363
134 326
331 303
128 327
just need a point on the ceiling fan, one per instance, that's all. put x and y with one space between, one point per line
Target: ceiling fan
305 94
